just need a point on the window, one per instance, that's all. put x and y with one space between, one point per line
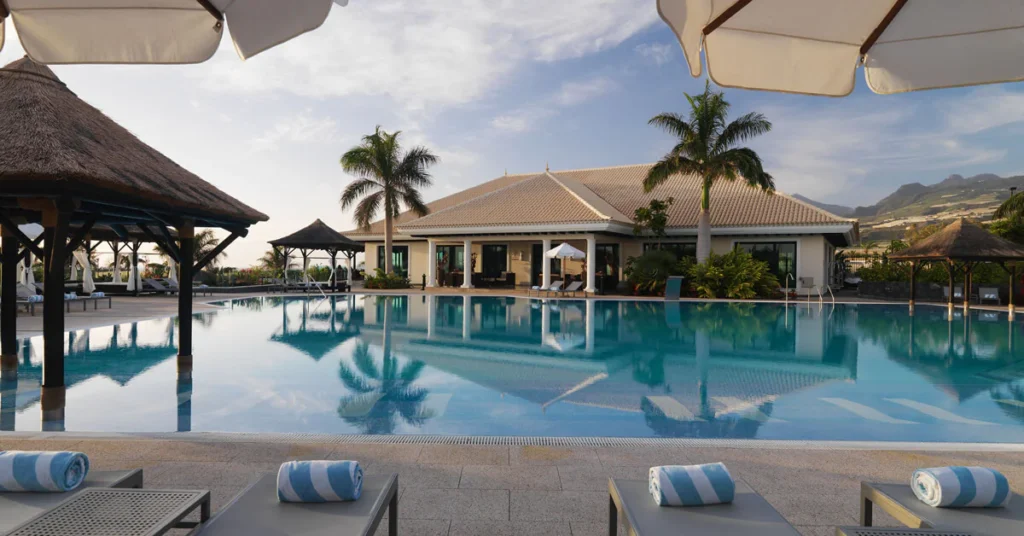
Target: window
399 259
607 260
679 249
495 260
780 256
450 258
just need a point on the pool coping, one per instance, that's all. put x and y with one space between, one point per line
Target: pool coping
523 441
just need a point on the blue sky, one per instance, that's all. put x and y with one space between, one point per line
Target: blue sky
502 84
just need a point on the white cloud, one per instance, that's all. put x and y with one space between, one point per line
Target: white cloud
658 53
429 53
983 109
302 128
571 93
520 120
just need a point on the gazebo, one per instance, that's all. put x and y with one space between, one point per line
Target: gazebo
129 238
68 167
319 236
961 246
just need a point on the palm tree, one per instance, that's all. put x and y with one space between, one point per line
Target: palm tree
1012 208
706 148
386 178
205 242
273 259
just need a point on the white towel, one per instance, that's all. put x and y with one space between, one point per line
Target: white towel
957 487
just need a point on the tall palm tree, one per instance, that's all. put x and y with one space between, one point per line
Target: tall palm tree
273 259
707 149
387 179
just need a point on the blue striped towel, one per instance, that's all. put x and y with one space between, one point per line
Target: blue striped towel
35 298
691 485
957 487
97 295
319 481
42 471
70 296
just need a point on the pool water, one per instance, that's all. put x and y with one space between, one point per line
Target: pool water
457 365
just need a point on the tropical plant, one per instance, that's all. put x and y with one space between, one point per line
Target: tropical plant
382 280
274 260
205 242
735 275
386 179
1012 208
915 233
706 148
648 273
652 219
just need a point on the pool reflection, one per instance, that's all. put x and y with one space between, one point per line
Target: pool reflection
451 364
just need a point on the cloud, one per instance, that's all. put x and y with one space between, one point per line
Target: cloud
302 128
571 93
984 109
657 53
423 54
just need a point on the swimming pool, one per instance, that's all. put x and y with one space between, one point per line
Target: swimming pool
455 365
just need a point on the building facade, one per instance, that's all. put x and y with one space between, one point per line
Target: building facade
508 223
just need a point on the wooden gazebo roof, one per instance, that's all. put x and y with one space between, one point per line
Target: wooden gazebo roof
317 235
962 241
56 145
124 233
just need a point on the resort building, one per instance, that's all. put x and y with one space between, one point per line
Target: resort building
508 223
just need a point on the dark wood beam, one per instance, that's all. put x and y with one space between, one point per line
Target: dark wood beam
726 15
216 251
886 21
25 241
211 9
121 232
166 233
169 247
79 235
55 244
23 256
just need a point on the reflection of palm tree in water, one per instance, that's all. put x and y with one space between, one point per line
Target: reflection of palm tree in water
388 390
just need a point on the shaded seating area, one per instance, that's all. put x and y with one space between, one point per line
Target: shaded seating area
318 236
66 166
961 246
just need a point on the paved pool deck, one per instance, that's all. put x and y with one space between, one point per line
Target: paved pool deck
538 490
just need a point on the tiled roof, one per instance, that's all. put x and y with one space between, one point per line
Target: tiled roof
610 194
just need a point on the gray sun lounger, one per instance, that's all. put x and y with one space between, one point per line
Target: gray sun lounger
748 515
159 287
257 512
574 287
17 508
899 501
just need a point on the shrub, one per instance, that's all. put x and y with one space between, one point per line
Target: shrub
736 275
648 272
381 280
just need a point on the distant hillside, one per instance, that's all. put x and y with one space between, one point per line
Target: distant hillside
838 210
974 197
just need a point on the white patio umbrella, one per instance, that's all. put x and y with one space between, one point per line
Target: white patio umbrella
88 285
815 46
155 31
564 251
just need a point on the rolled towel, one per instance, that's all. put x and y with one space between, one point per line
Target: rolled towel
97 294
35 298
691 485
42 471
319 481
958 487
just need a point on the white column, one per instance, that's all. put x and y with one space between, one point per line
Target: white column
467 261
431 263
467 316
591 264
545 263
591 306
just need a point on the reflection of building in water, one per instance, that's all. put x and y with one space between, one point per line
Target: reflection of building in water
712 370
323 324
973 354
126 353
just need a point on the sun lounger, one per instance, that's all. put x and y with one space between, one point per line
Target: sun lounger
17 508
86 300
748 515
553 287
256 511
899 501
573 287
958 293
988 294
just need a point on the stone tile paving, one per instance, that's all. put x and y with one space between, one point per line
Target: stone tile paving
496 490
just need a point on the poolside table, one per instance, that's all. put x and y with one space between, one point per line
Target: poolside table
119 512
899 501
748 515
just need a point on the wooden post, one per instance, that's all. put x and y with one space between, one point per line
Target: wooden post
55 228
968 277
184 390
334 270
135 267
8 302
1013 290
913 285
187 248
950 268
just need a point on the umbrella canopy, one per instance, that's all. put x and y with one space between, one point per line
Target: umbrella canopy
565 251
155 31
964 241
815 46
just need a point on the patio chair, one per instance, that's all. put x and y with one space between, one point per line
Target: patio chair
958 293
988 294
748 514
17 508
899 501
574 287
159 287
256 511
553 287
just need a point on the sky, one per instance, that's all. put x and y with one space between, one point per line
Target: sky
496 85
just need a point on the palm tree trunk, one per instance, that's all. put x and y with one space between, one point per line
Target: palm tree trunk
387 241
704 224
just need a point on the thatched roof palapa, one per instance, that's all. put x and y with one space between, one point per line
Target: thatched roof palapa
317 235
55 144
962 241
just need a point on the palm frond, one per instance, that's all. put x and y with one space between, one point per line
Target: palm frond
366 210
747 126
357 189
748 164
670 165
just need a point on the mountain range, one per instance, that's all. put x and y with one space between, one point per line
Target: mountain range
974 197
